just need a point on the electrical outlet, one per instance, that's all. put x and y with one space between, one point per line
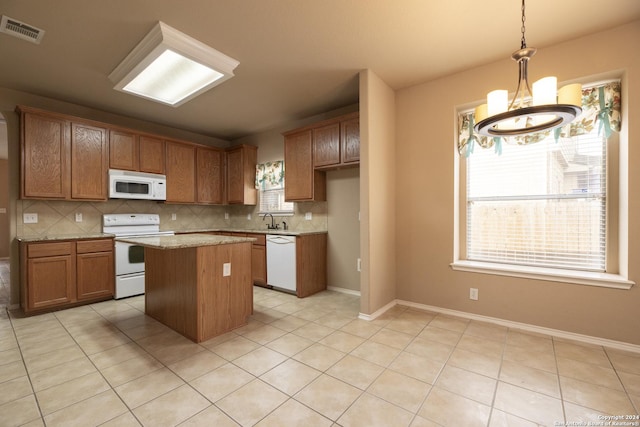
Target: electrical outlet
359 264
248 217
173 217
78 216
308 216
30 218
473 294
226 269
226 215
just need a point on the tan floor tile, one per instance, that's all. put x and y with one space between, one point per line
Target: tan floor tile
355 371
631 382
372 411
21 411
61 373
8 343
176 351
529 340
401 390
145 330
468 384
625 361
130 369
13 370
361 328
263 398
406 326
264 334
293 413
449 409
417 315
534 359
42 335
635 399
377 353
319 356
528 404
476 362
10 355
220 382
290 377
588 372
443 336
234 348
289 344
449 322
502 419
259 361
116 355
418 367
209 417
596 397
215 341
266 315
429 349
312 313
328 396
313 331
530 378
418 421
487 331
334 321
172 408
15 389
93 411
47 346
593 355
125 420
481 345
392 338
579 414
289 323
101 343
197 365
53 358
342 341
141 390
70 392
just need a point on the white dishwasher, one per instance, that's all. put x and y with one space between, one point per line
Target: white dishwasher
281 262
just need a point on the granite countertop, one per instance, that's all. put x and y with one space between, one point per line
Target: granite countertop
247 230
55 237
180 241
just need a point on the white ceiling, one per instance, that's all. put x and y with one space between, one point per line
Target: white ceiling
297 57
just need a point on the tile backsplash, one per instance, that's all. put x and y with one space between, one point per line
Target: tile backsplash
59 217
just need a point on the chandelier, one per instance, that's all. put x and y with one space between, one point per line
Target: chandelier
543 108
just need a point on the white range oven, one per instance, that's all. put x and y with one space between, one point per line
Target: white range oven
129 258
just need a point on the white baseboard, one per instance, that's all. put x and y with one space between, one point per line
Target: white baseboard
343 290
619 345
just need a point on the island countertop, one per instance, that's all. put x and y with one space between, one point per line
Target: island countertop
180 241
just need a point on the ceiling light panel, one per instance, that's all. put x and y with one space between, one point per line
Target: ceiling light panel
172 68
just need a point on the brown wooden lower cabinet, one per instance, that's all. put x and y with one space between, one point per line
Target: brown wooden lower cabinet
62 274
259 259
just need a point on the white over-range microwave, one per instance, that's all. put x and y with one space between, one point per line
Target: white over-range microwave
137 185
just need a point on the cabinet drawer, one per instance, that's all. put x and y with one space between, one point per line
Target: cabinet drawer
87 246
39 250
261 238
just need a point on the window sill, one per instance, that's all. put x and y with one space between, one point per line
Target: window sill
588 278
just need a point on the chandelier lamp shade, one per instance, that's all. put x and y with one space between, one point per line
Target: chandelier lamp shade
534 108
171 68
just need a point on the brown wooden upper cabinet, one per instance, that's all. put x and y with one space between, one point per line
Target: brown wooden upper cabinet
301 181
181 172
131 151
241 175
210 175
62 158
336 142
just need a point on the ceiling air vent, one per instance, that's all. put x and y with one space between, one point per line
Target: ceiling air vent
15 28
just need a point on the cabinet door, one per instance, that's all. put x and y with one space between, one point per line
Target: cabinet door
95 275
301 181
89 162
350 139
326 145
241 175
151 155
259 264
181 172
123 150
210 168
51 281
45 157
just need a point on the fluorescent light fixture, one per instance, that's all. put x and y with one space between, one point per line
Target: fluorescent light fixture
172 68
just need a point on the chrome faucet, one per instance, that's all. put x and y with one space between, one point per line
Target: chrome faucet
273 225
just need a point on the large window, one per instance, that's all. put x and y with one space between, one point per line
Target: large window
541 204
270 185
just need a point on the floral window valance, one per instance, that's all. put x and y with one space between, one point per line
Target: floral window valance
600 107
270 175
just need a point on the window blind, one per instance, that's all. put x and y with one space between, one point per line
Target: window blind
540 204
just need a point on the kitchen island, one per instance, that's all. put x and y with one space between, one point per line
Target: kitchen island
197 284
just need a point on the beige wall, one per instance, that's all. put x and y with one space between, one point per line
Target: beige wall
343 198
426 186
4 204
377 193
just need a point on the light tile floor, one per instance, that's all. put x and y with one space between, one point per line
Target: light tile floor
304 362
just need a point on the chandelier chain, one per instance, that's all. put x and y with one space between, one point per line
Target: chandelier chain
523 43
